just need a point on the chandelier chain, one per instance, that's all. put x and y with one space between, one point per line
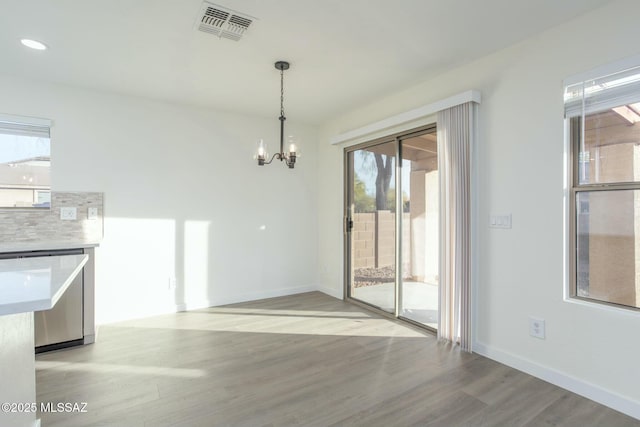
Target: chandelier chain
282 92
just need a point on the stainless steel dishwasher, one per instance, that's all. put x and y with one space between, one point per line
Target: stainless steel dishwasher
62 326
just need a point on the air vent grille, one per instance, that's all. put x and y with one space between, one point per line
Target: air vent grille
214 17
223 22
217 13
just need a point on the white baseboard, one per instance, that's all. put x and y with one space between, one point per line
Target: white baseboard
252 296
331 291
576 385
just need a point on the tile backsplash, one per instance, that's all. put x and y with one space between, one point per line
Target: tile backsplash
46 225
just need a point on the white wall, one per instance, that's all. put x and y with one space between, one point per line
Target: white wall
520 161
183 198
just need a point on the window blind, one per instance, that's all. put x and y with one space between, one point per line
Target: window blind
602 93
24 129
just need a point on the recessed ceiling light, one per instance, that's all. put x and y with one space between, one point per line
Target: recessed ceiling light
33 44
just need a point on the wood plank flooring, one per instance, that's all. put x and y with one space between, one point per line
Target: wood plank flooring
302 360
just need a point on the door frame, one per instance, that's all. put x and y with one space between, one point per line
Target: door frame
396 139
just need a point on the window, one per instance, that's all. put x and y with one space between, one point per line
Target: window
25 158
603 122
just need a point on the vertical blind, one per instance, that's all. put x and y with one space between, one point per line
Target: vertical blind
455 138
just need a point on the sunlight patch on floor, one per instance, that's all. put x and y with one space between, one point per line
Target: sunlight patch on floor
287 312
275 322
101 368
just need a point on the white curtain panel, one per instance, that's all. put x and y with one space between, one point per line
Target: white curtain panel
455 137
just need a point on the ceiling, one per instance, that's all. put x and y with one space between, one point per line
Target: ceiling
343 53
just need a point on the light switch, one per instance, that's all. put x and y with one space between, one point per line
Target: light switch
68 213
500 221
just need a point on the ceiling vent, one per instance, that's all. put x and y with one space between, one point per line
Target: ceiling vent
223 22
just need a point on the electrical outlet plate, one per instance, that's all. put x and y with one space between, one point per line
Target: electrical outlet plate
92 213
68 213
536 327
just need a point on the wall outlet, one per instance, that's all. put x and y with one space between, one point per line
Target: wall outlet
92 214
172 283
68 213
536 327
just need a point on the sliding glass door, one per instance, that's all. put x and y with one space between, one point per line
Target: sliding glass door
420 230
372 240
392 226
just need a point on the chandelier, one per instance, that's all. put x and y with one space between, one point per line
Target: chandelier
289 157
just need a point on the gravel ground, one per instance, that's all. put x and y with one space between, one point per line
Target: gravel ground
370 276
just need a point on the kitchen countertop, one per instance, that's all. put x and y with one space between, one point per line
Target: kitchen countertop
44 246
34 284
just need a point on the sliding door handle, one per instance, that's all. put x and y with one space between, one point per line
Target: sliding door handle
348 224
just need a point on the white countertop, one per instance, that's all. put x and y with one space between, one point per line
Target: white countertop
34 284
47 245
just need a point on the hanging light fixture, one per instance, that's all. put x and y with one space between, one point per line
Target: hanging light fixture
289 157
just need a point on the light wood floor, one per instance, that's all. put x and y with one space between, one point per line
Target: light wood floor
307 360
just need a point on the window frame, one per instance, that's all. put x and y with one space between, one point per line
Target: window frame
32 126
574 134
